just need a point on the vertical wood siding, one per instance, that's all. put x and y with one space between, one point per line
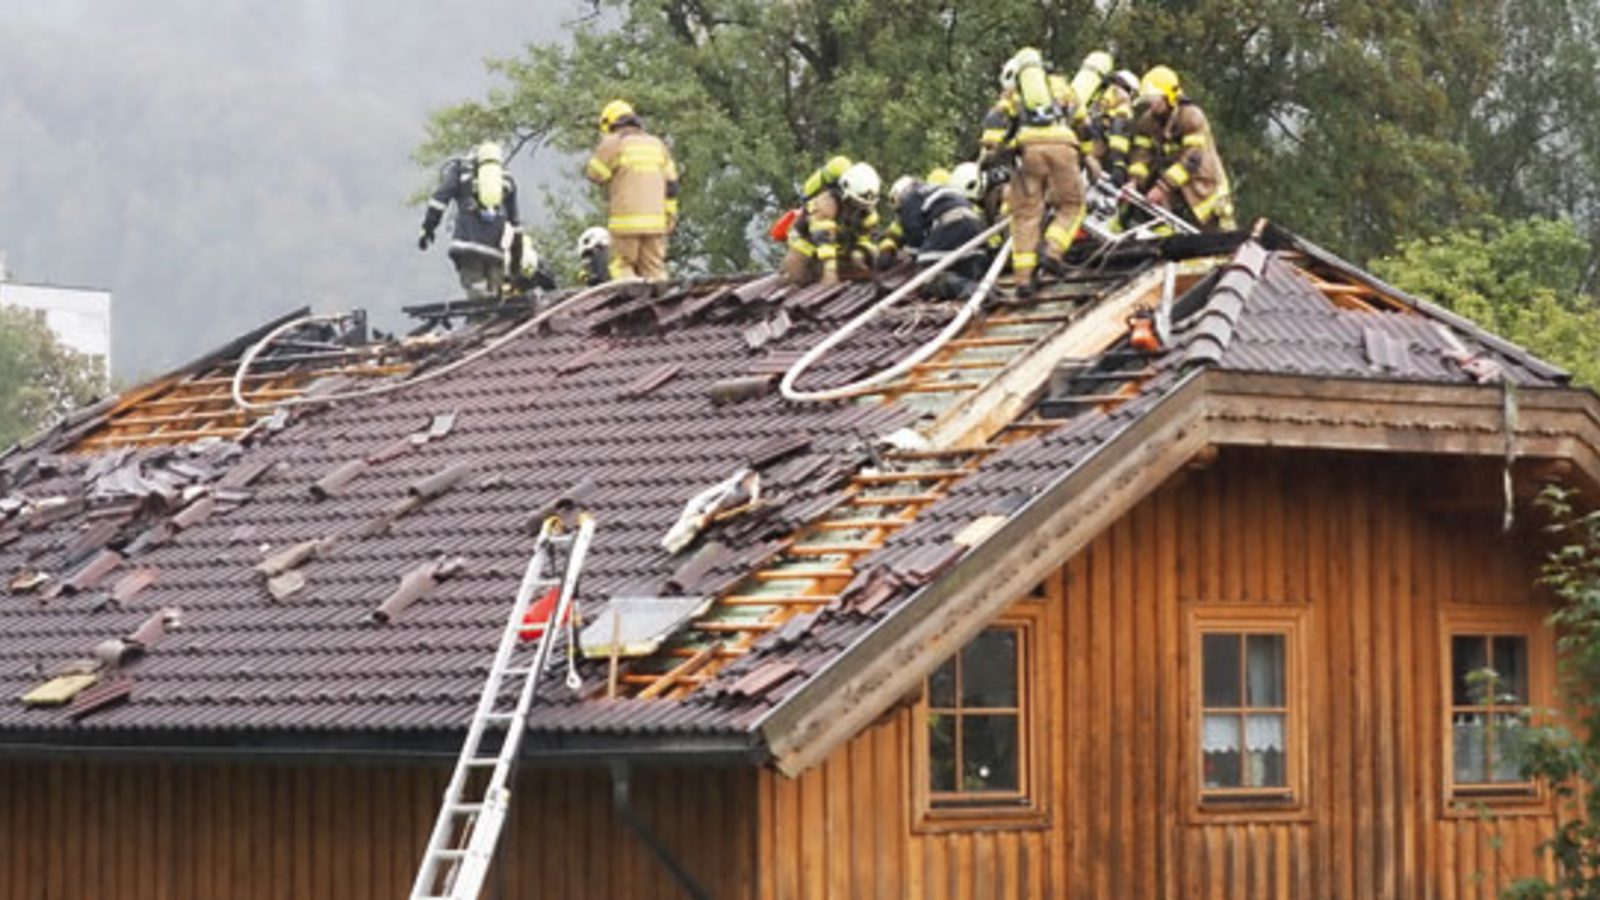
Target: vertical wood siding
91 830
1351 541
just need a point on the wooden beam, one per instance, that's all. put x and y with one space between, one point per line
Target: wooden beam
998 403
681 670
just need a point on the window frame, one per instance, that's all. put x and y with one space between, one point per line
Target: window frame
1025 808
1525 621
1293 801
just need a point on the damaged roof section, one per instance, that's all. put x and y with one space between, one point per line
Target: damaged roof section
285 548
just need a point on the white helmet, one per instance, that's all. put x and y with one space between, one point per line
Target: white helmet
860 184
897 191
1008 74
967 179
592 239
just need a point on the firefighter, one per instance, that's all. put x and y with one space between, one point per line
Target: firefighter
1029 117
932 220
833 234
594 249
525 270
1079 97
642 191
1175 161
1111 123
485 197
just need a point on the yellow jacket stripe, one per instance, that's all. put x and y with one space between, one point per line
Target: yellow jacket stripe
598 171
647 223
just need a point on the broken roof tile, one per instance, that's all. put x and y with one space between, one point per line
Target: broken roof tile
651 380
195 513
689 577
89 575
761 679
100 696
413 586
334 483
129 585
584 359
440 482
738 390
778 447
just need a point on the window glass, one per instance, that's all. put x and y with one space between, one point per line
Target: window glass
989 751
1220 742
1264 670
942 686
1511 669
1220 654
941 752
989 670
1468 654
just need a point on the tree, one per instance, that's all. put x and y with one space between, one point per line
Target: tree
40 379
1359 123
1566 750
1521 280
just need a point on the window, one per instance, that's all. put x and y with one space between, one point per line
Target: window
1245 714
974 732
1248 750
975 746
1493 679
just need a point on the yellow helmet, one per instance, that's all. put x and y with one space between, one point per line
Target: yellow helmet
615 111
1161 82
938 175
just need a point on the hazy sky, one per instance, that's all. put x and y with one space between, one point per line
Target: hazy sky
117 98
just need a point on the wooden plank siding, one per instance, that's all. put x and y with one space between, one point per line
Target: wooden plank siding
159 830
1360 546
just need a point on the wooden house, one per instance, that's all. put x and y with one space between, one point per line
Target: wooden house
1055 617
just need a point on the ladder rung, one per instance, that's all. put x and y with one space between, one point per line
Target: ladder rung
736 627
450 854
465 808
992 342
1093 399
778 599
858 524
1030 319
800 574
894 499
829 549
892 477
499 716
482 762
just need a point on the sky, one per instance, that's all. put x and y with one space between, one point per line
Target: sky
218 162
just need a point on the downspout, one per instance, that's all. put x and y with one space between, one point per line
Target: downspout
621 785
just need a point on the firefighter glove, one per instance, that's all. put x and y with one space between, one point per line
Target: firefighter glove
425 239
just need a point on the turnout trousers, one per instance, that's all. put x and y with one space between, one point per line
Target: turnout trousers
1048 174
639 255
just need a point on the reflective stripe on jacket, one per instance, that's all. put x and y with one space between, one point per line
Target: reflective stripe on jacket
641 181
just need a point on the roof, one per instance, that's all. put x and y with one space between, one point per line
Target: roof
251 564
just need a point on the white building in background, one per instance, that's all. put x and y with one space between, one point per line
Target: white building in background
80 317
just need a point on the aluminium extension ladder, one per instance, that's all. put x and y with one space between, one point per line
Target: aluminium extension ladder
474 809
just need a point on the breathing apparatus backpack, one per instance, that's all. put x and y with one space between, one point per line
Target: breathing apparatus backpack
1039 105
489 178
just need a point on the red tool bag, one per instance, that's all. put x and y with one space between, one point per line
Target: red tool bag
538 616
780 228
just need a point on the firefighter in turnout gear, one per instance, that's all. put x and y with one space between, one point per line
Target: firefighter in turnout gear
486 207
833 234
1175 161
1029 118
932 220
525 270
1111 125
594 251
641 182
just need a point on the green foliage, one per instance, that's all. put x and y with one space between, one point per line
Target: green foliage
40 380
1566 752
1359 123
1521 280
